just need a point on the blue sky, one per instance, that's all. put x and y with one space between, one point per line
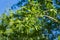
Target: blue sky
6 4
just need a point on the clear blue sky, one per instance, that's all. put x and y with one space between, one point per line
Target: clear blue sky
6 4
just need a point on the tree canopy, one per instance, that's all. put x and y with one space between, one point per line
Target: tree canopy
37 20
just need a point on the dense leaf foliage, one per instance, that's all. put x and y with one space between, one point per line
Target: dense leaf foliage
37 20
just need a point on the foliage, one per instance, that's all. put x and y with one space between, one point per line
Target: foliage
37 20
